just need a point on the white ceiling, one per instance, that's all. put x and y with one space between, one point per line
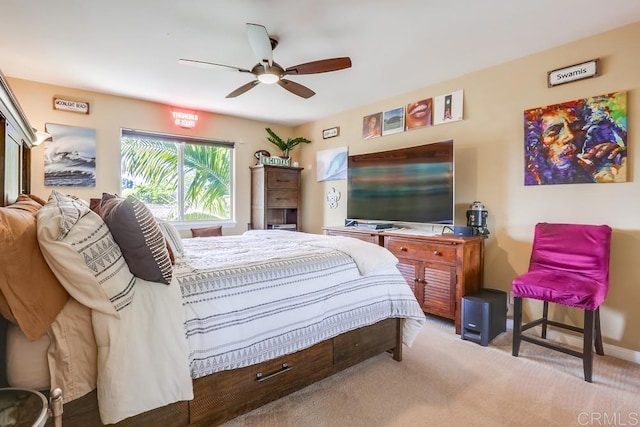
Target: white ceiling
131 48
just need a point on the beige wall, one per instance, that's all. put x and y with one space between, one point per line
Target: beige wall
111 113
489 157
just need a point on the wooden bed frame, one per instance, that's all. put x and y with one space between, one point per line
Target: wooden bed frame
225 395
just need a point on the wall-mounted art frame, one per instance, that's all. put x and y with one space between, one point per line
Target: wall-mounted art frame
73 106
393 121
371 126
331 132
581 141
572 73
447 108
70 156
331 164
418 114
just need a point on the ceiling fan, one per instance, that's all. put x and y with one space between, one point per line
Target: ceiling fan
269 72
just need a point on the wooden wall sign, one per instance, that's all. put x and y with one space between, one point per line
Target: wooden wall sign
331 132
69 105
572 73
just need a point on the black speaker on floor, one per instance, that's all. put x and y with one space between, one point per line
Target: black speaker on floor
484 316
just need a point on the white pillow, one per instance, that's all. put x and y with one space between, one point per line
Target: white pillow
171 233
81 252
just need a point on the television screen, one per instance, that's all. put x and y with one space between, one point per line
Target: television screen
406 185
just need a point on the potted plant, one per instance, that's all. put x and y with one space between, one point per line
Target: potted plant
285 146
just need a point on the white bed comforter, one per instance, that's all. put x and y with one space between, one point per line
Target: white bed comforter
240 300
143 356
258 296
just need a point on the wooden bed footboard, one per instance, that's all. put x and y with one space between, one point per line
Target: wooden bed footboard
225 395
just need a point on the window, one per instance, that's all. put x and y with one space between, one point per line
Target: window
180 179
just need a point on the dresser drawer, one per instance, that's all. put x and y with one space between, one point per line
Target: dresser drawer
282 179
367 237
282 199
258 384
426 251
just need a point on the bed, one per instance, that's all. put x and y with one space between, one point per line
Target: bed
233 323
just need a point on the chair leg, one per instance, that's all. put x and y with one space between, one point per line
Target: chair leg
545 316
587 347
517 325
598 338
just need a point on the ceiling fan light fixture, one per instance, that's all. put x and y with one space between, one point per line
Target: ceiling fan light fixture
269 72
268 78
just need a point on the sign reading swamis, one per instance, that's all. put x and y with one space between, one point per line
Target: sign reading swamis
573 73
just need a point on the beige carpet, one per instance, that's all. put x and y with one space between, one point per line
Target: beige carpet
446 381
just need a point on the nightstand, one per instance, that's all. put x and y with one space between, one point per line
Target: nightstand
21 407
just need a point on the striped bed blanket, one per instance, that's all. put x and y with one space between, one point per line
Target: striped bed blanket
264 294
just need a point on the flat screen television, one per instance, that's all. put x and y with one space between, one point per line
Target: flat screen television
414 184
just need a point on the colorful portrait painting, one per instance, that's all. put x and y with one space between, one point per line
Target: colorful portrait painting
582 141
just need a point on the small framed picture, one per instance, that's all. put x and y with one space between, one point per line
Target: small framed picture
371 125
447 108
393 121
331 132
418 114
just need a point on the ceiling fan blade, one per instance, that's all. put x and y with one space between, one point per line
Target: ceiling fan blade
242 89
260 43
296 88
321 66
202 64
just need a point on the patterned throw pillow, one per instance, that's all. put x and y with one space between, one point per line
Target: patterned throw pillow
137 233
82 253
173 237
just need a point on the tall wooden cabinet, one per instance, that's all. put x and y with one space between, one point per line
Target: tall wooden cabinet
16 139
275 197
439 269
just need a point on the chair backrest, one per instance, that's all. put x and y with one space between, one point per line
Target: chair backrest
578 248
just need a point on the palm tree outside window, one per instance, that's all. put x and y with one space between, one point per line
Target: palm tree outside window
180 179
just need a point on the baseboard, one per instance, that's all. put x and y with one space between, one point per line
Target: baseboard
575 341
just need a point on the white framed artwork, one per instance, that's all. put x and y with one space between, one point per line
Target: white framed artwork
70 156
331 164
393 121
447 108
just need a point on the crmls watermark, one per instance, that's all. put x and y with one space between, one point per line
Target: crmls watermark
609 419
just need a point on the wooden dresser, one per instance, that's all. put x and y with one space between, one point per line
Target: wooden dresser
275 197
439 269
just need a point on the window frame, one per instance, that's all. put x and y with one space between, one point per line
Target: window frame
181 140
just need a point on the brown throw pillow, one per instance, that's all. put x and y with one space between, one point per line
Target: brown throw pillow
137 233
207 231
32 292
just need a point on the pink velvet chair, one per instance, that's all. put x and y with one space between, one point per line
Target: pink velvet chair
569 266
